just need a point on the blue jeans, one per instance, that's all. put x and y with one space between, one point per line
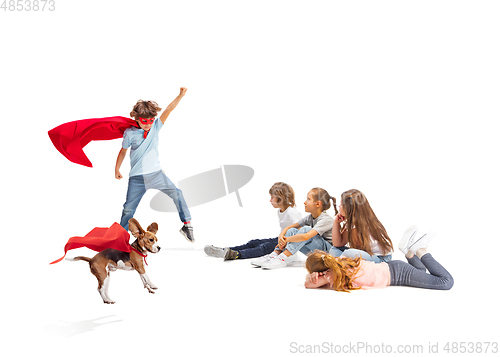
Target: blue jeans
307 246
414 273
256 248
137 187
353 253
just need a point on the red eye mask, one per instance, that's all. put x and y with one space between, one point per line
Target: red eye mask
146 121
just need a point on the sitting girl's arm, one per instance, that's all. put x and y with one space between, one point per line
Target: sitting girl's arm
316 280
339 239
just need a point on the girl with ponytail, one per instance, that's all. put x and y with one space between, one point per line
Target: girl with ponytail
357 225
309 233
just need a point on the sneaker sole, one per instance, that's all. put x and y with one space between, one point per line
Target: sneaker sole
407 236
213 252
256 264
271 267
428 236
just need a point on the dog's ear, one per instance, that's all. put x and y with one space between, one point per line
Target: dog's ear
135 228
153 228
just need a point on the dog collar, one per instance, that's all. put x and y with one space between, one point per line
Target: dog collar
142 255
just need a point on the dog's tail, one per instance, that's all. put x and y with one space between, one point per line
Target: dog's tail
79 258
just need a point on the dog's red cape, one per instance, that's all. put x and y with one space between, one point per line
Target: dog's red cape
70 138
98 239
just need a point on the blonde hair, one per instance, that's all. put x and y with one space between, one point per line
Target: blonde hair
321 195
285 194
360 215
342 269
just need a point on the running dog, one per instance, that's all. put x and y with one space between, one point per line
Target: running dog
111 259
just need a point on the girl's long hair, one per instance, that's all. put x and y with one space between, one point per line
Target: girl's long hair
360 215
343 269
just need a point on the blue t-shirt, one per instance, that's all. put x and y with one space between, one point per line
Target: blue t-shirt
144 152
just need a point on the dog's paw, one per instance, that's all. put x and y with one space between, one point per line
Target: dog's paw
109 302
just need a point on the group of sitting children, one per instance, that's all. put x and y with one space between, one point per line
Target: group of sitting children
349 251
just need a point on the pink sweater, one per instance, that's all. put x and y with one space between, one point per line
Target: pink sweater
372 275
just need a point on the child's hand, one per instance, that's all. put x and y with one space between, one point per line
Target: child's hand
339 218
281 235
183 91
282 242
313 277
118 175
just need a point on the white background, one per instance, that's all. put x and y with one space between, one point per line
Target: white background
398 99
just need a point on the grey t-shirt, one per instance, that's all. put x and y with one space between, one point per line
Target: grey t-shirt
323 224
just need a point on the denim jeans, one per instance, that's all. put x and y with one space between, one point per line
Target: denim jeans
307 246
256 248
414 273
353 253
137 187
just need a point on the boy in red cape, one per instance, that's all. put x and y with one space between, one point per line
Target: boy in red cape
141 136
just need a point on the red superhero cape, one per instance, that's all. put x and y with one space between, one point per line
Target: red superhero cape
98 239
70 138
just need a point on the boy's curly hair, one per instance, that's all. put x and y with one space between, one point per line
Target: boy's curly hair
145 109
285 194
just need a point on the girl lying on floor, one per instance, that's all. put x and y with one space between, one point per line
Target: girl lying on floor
344 273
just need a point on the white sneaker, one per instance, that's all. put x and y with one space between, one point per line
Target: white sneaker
274 263
408 239
294 260
422 242
260 261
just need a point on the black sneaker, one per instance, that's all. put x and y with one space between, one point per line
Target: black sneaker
187 232
230 254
